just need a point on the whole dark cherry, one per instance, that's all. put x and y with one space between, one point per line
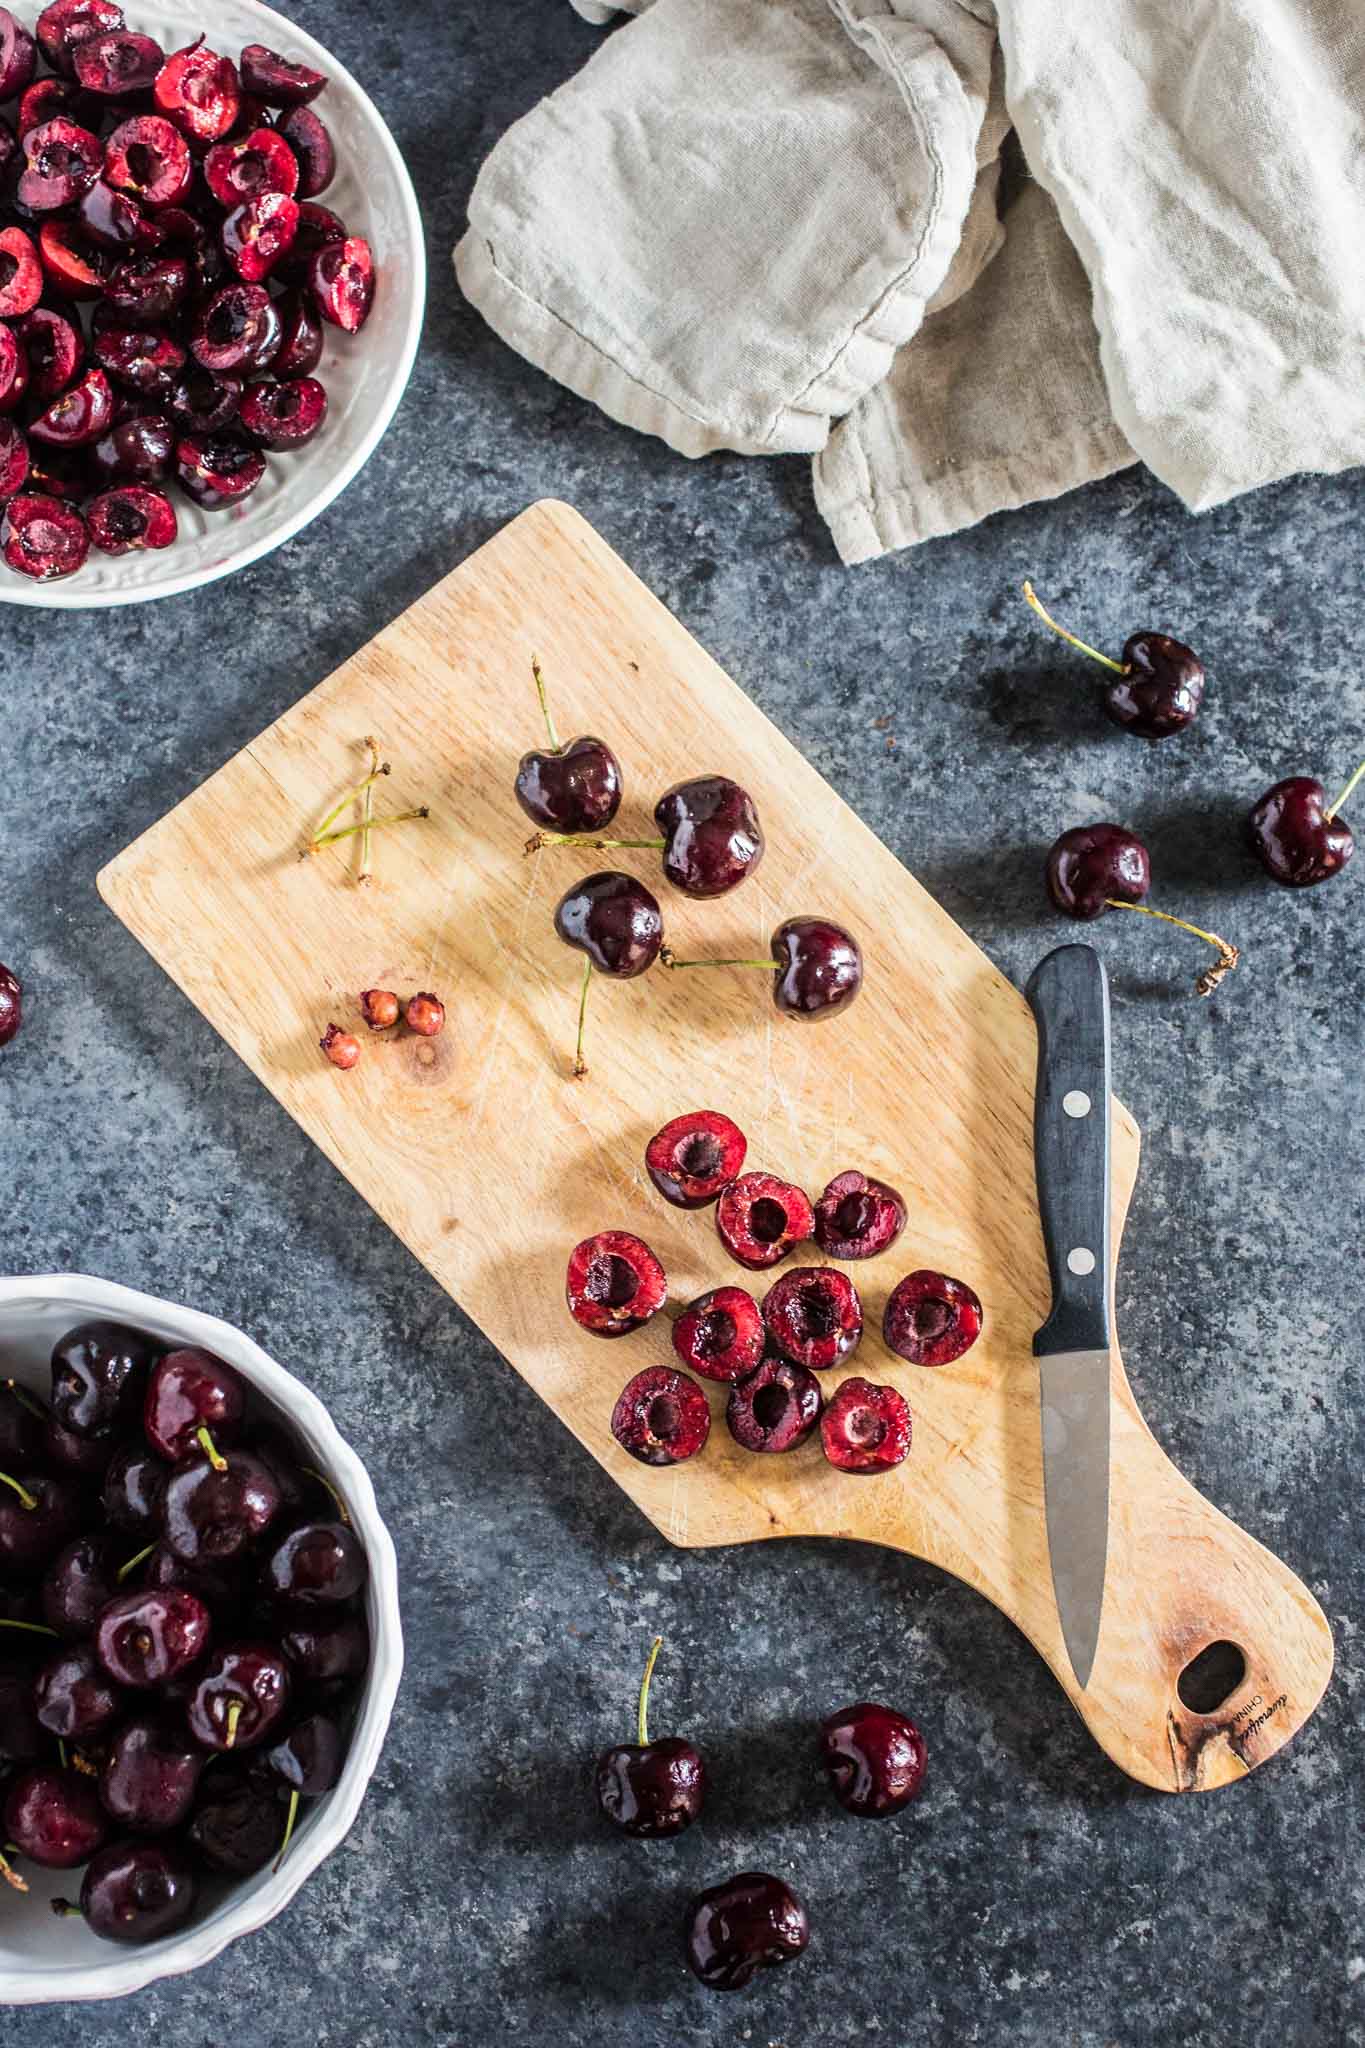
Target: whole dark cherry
857 1217
38 1516
307 1757
615 923
712 837
73 1697
651 1790
1092 869
614 1283
133 1491
694 1157
319 1565
137 1891
1299 840
21 1428
760 1219
814 1317
568 786
874 1757
22 1740
11 1004
820 968
1157 687
661 1417
53 1816
751 1922
721 1334
99 1375
322 1651
931 1319
212 1516
775 1408
241 1695
149 1636
194 1403
866 1428
77 1585
236 1824
150 1775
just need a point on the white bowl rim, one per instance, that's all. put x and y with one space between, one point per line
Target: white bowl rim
53 596
133 1970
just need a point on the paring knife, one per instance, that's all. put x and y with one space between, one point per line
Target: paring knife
1069 996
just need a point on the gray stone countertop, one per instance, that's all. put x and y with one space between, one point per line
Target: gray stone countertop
1033 1896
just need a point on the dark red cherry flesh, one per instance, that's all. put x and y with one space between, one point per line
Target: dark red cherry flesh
99 1377
148 1637
695 1157
204 402
73 1696
866 1428
721 1334
241 1695
211 1517
217 470
661 1417
614 1283
752 1922
200 92
18 56
760 1219
54 349
249 165
651 1790
53 1816
116 221
775 1408
614 920
319 1565
75 268
258 233
190 1390
239 331
874 1758
21 274
300 349
820 968
14 470
149 158
65 23
284 414
1091 866
39 1515
144 290
275 81
857 1217
931 1319
151 1774
813 1317
136 1891
61 162
131 518
117 65
342 278
81 415
712 837
1296 841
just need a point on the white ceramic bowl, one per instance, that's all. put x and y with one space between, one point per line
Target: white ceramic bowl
365 374
44 1958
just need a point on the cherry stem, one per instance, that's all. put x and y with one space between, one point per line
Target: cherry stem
26 1400
1331 813
367 813
641 1719
349 831
34 1628
668 958
349 798
343 1514
142 1555
555 747
234 1715
7 1870
64 1909
210 1448
539 839
83 1765
1031 597
580 1065
1228 956
289 1820
61 1752
26 1499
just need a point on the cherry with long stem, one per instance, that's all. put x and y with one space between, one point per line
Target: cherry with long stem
1228 955
668 958
556 745
351 796
1119 668
642 1712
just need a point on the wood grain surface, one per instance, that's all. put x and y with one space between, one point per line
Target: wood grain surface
489 1160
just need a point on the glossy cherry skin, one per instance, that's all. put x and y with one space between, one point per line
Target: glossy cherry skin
148 1637
73 1697
614 1284
930 1318
1161 689
813 1317
134 1487
760 1219
857 1217
1092 865
695 1157
712 837
614 920
775 1408
54 1817
751 1922
1292 836
22 1739
21 1432
151 1774
11 1005
820 968
251 1676
188 1390
325 1652
220 1587
82 1457
77 1585
661 1417
866 1428
308 1757
875 1759
138 1891
577 789
99 1374
31 1536
237 1826
318 1566
654 1790
212 1517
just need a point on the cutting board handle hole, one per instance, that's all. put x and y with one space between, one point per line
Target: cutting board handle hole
1211 1677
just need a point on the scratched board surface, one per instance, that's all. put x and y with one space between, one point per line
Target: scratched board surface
490 1160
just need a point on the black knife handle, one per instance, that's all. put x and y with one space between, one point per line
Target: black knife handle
1069 997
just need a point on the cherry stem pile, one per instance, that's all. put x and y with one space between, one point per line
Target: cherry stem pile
642 1716
1031 597
329 832
1228 955
367 812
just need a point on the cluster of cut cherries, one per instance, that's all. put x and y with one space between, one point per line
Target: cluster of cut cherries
874 1757
1156 689
177 197
767 1352
181 1634
710 839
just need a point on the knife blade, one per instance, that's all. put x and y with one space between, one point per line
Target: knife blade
1069 996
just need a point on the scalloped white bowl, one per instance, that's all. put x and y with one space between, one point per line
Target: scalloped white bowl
365 374
44 1958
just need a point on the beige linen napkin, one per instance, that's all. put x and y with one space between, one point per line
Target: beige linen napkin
745 221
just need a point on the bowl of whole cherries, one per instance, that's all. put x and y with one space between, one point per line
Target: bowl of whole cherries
199 1638
212 279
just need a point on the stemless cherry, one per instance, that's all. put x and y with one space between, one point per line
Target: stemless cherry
857 1217
143 360
61 161
13 369
11 992
21 274
238 331
136 1891
874 1757
148 1637
236 1826
249 165
148 289
149 158
53 1817
313 148
721 1334
661 1417
1158 684
814 1317
65 23
342 278
751 1922
14 462
133 1491
760 1219
131 518
300 349
117 64
284 415
43 538
931 1319
149 1780
203 402
258 233
99 1376
76 269
195 1402
77 1585
651 1790
325 1651
53 347
72 1695
200 92
866 1428
217 470
775 1408
317 1566
116 221
136 451
18 56
274 80
241 1695
212 1516
695 1157
81 415
614 1283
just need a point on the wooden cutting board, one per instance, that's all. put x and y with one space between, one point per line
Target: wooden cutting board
489 1160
